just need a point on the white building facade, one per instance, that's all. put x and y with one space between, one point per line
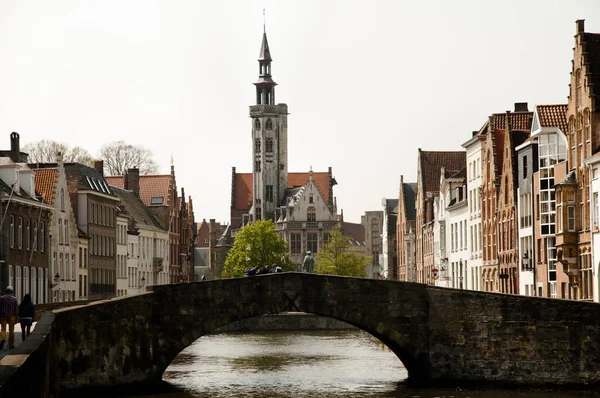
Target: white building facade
122 282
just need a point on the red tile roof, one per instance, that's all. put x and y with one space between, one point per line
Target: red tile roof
518 121
45 179
150 186
242 186
553 116
431 164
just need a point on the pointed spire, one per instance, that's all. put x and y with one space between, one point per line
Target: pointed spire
265 52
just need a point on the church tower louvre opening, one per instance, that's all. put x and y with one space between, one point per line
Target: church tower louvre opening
269 141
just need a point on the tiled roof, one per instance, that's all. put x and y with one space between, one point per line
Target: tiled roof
431 164
410 197
460 174
88 178
132 205
518 121
151 186
553 116
45 179
243 186
354 230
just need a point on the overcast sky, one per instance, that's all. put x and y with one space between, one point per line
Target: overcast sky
367 82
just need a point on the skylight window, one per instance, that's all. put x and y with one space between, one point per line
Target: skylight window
156 200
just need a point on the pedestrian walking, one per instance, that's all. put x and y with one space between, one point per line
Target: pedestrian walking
8 315
26 313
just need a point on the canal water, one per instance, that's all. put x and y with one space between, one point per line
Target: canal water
333 364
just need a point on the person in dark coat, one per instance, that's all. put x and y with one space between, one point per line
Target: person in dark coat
26 313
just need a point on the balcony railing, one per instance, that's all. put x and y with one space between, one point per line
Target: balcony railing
309 225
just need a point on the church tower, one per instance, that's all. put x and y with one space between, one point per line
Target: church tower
269 141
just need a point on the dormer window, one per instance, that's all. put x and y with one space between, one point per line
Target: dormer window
156 200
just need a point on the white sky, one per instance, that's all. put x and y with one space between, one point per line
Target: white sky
366 82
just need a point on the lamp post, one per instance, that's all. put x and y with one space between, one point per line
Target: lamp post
525 262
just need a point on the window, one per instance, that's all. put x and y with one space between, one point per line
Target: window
257 165
257 145
256 124
326 238
43 237
12 231
62 200
269 145
312 241
311 214
571 218
295 243
60 232
524 167
66 232
269 193
20 233
156 200
28 236
259 213
35 235
269 124
311 199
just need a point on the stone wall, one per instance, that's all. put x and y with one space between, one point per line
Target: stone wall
285 321
440 335
25 370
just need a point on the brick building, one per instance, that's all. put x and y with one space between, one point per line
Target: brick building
24 233
429 167
405 231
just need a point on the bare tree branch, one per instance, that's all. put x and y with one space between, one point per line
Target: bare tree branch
119 156
45 151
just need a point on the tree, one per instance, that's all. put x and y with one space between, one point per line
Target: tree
257 245
45 151
119 156
336 259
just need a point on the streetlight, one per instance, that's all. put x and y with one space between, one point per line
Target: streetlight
525 262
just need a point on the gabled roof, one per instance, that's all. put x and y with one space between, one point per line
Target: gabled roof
553 116
592 59
432 162
88 178
151 186
410 196
517 120
355 231
45 180
242 186
132 205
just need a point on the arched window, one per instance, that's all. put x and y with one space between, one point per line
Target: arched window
578 88
257 145
269 124
20 233
311 214
12 231
62 200
257 124
269 145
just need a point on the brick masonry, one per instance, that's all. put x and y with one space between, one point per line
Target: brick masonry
441 335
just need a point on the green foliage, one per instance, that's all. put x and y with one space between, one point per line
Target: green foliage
336 259
257 245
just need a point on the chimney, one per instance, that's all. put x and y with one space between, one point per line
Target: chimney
99 166
15 148
521 107
132 180
580 23
212 232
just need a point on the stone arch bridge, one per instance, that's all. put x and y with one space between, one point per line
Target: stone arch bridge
440 335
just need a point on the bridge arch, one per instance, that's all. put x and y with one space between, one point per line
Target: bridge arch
357 302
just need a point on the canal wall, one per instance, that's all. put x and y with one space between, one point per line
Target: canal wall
25 370
285 321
